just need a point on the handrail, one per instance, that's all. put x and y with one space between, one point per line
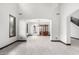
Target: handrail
75 21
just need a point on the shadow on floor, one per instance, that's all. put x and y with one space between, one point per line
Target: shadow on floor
75 42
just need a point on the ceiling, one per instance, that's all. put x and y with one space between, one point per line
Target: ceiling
37 10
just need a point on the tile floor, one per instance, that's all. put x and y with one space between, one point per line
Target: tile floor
41 46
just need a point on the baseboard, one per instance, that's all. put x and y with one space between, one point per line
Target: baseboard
75 38
65 43
12 43
26 40
21 40
59 41
55 40
8 45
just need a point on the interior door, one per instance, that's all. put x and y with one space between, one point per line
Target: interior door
44 30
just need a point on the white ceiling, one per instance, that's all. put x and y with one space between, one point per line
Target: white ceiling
37 10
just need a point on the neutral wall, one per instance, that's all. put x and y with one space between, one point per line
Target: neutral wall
22 30
42 11
30 28
66 10
5 10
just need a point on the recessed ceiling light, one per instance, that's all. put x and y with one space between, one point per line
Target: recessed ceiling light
20 13
57 13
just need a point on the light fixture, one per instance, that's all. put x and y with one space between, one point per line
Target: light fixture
20 13
57 13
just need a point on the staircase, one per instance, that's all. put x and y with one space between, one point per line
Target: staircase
75 21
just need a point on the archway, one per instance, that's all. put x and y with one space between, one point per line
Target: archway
39 27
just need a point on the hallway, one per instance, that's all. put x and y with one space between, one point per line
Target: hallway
41 46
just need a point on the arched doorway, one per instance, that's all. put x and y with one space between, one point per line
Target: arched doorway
39 27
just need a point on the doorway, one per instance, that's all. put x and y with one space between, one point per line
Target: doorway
44 30
39 27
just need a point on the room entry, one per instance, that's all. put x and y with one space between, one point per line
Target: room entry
36 27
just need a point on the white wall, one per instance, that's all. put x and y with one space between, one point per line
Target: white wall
66 10
42 11
31 24
22 30
5 10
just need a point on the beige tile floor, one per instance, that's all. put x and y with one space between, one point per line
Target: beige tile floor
41 46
